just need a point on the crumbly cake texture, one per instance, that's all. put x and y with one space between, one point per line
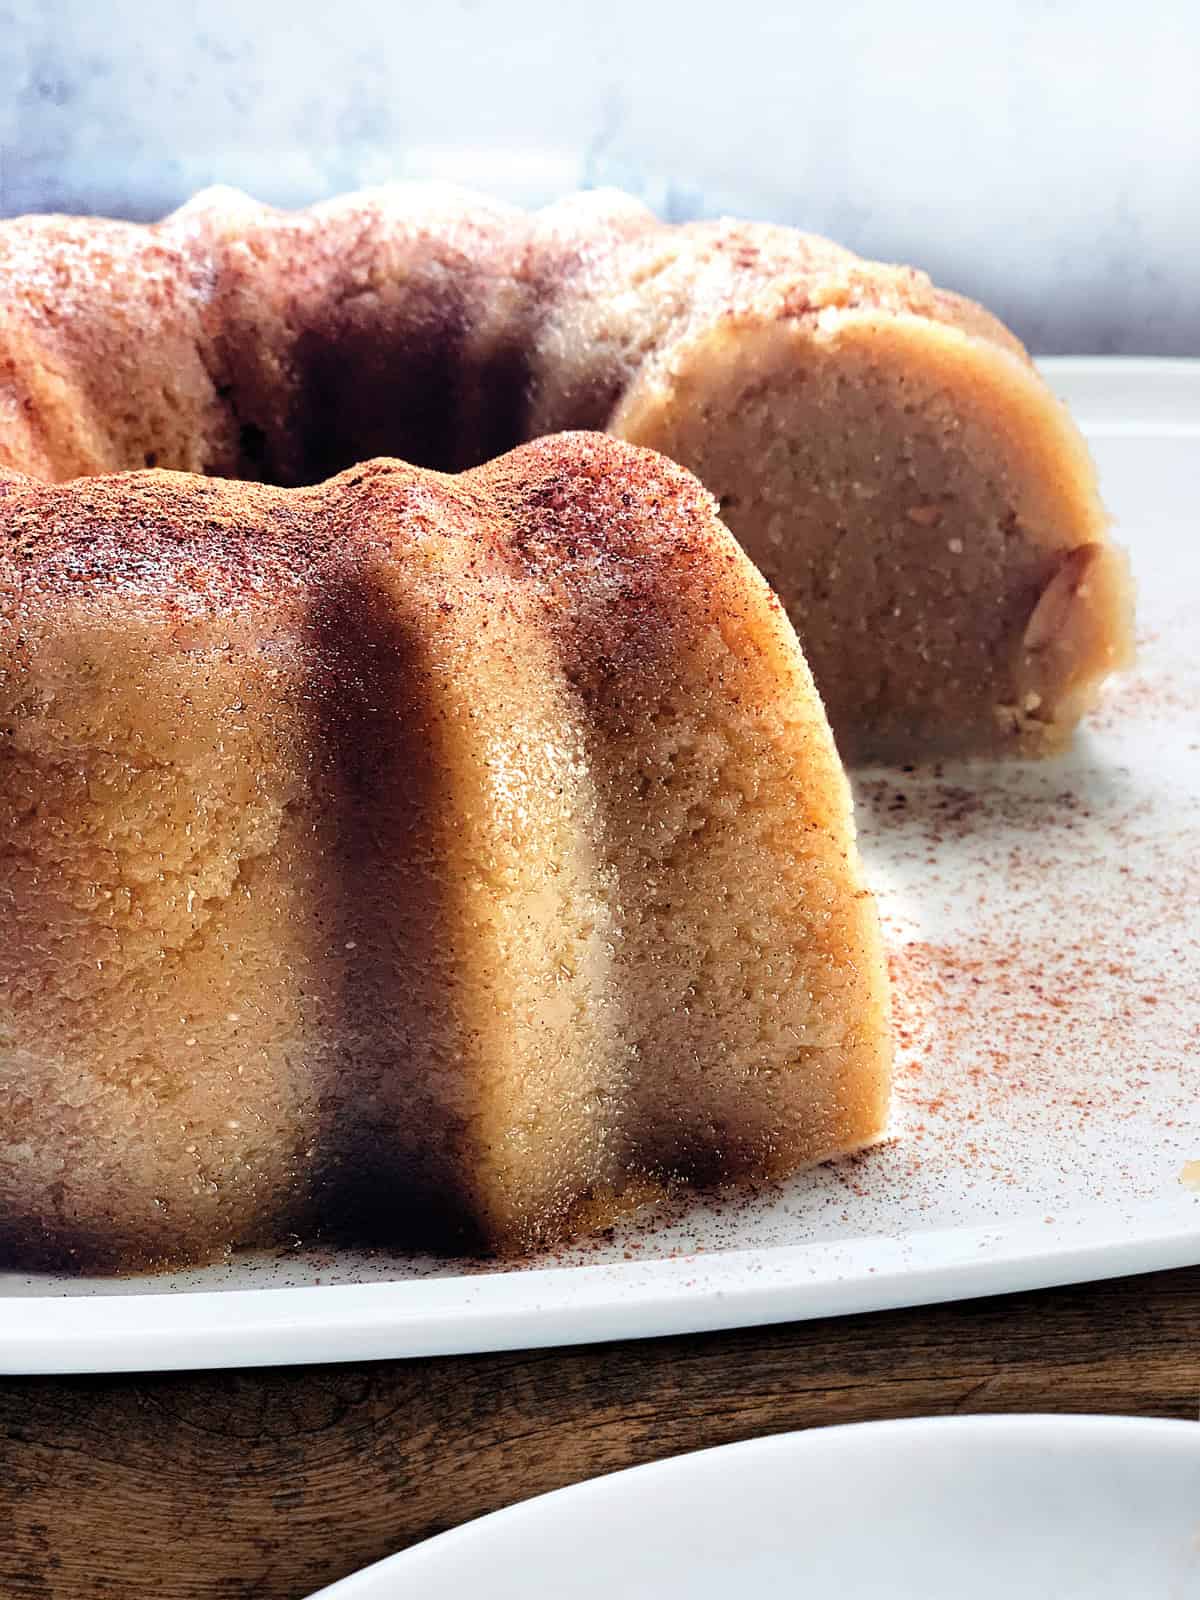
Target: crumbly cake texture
884 450
434 858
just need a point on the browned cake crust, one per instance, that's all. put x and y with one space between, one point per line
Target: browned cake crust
883 449
435 858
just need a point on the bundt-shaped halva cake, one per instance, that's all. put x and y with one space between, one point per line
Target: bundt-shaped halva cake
884 450
444 858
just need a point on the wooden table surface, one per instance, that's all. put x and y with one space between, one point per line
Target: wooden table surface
215 1486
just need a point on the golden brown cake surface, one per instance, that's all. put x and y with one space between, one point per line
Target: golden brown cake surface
444 858
883 449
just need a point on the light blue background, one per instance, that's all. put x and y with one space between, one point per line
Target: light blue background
1043 157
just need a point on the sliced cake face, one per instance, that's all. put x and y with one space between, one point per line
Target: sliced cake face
430 859
926 511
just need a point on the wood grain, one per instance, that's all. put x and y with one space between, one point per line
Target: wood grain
218 1486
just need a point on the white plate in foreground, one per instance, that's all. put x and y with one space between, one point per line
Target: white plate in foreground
1042 921
1048 1508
